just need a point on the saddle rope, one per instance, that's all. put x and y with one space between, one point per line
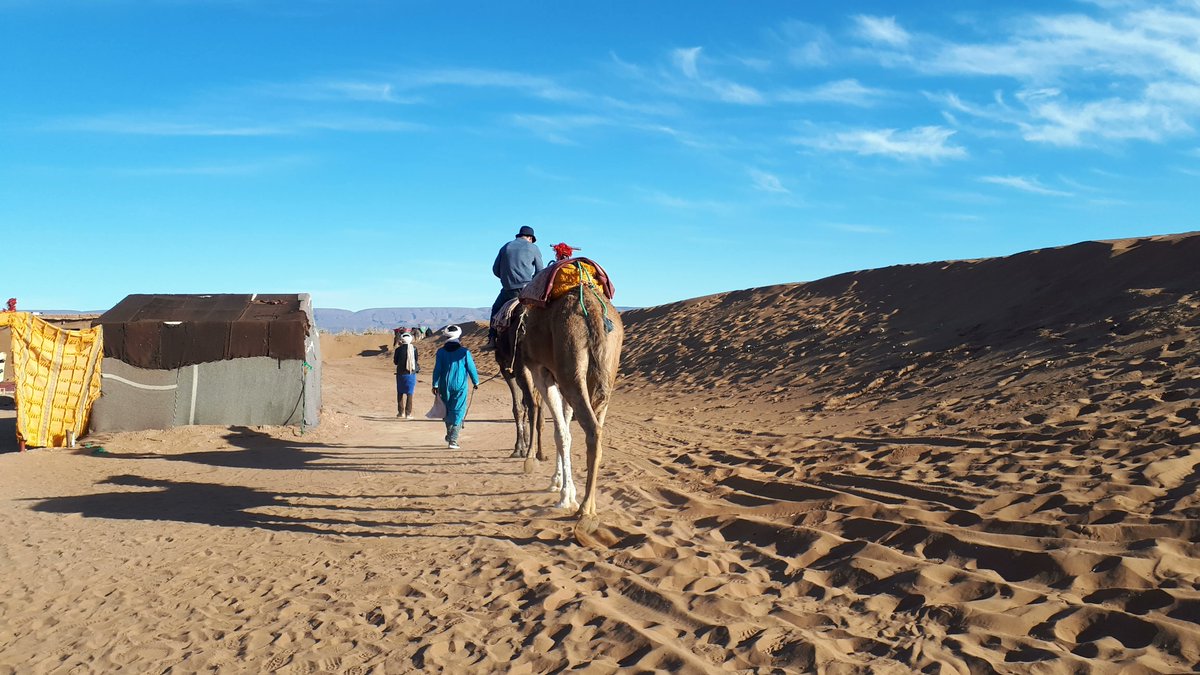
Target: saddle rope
608 324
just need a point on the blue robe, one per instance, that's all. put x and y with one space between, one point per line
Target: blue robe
451 371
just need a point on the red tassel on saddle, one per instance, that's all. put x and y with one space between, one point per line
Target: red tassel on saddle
564 251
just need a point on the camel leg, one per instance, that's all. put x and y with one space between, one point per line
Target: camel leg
542 384
530 386
563 482
567 498
538 418
594 452
528 401
592 427
518 407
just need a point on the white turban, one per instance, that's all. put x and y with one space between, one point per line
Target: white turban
452 333
406 338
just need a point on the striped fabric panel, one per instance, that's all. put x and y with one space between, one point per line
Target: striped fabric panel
57 373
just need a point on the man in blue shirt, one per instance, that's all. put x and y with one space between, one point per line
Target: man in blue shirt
515 265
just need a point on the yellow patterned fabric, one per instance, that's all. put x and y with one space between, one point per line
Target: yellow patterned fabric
569 278
57 373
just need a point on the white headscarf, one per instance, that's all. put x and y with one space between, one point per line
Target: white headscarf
452 333
410 352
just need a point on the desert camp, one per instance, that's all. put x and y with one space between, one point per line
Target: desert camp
984 478
172 360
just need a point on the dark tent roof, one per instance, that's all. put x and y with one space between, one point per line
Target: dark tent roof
171 331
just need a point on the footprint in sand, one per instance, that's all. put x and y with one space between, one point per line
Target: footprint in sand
278 661
297 667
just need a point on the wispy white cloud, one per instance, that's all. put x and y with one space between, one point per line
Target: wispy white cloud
538 172
881 29
146 126
165 126
857 228
253 168
685 59
375 90
1109 201
682 137
1072 183
419 86
920 143
959 217
1186 94
536 85
1062 122
804 45
861 229
967 197
646 108
767 182
690 74
1025 185
1147 60
557 128
1047 115
848 92
687 62
357 125
588 199
754 63
1146 43
674 202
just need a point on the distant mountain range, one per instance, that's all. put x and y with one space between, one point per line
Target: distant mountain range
387 318
368 320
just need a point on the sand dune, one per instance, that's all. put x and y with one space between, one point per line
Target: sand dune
974 466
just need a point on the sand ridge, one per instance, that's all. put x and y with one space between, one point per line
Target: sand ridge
976 466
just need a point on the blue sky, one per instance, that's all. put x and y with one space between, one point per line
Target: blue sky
379 153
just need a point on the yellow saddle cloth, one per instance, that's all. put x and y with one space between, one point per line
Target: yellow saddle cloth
571 277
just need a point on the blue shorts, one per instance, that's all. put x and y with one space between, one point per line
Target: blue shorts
406 384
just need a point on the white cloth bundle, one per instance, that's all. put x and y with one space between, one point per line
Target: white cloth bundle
438 411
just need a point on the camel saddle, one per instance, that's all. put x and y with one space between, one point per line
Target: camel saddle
503 317
563 277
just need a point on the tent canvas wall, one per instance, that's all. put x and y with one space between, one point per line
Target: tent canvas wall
228 359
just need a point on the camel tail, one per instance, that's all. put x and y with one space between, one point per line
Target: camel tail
599 313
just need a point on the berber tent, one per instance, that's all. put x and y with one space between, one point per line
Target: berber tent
227 359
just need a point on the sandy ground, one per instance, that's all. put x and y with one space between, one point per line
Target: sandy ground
970 467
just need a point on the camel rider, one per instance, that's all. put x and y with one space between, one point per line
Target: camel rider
515 265
452 368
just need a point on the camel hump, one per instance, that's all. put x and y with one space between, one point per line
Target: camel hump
563 277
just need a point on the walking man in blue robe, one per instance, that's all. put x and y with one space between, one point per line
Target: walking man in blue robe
452 369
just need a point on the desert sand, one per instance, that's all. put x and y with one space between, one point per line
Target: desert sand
962 467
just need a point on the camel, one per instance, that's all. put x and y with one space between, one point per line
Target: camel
527 406
569 351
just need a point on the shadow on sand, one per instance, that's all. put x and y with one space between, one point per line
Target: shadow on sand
261 451
238 506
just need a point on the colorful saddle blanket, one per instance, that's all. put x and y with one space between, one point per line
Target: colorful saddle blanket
503 317
562 277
